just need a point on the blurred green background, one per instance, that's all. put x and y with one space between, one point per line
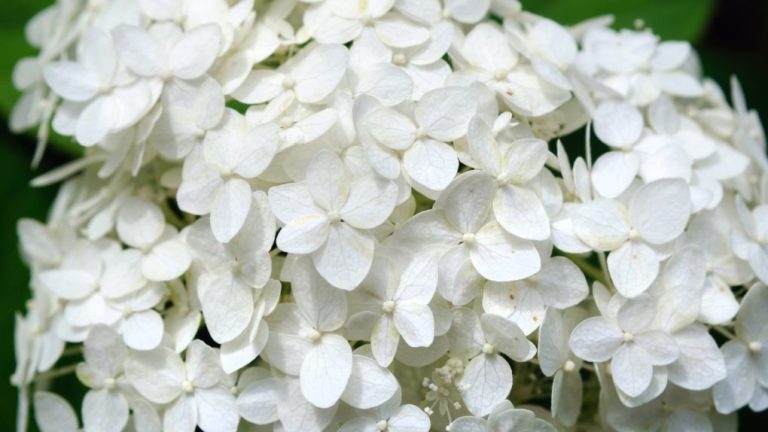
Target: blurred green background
730 35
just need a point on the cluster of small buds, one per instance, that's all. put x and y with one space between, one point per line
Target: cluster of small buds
343 215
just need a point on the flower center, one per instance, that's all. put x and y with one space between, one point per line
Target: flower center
187 386
399 59
382 425
388 306
288 83
755 346
313 335
488 349
109 383
569 366
334 216
469 238
628 337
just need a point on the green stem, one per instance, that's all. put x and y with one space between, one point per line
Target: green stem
590 270
55 373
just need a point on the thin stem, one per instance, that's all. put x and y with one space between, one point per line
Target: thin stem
723 331
588 144
589 269
55 373
22 415
604 266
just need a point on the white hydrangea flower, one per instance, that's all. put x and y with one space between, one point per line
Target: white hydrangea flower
559 284
460 224
216 175
302 184
657 214
391 308
193 389
503 418
629 341
487 378
557 360
329 215
746 380
101 98
303 341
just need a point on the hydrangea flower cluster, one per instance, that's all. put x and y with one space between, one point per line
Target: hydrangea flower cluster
343 215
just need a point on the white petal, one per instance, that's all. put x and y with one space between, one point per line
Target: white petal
526 93
68 284
291 201
498 256
660 210
618 123
409 418
296 414
327 181
304 234
469 424
216 408
430 163
391 128
561 283
239 352
398 32
613 172
467 201
631 369
194 53
595 339
602 224
661 347
370 385
483 146
230 209
53 413
227 306
737 388
138 50
384 340
468 11
566 397
97 120
700 364
488 48
487 380
371 200
166 261
71 81
104 410
143 331
633 268
156 374
386 82
418 282
326 370
324 306
346 257
260 86
445 113
182 415
319 72
679 84
258 402
521 212
416 323
507 337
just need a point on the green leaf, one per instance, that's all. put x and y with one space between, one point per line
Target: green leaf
670 19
